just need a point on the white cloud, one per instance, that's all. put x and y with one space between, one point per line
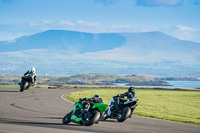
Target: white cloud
40 23
184 28
86 23
120 26
106 2
182 32
68 23
52 23
155 3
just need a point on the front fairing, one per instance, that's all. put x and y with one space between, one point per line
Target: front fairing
77 106
26 78
74 118
130 103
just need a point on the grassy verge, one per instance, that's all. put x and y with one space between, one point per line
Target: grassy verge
179 106
18 86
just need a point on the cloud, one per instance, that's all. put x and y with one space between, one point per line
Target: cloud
196 2
182 32
157 3
7 1
106 2
85 23
64 23
120 26
184 28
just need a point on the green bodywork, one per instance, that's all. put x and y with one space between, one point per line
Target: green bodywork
77 106
76 119
100 106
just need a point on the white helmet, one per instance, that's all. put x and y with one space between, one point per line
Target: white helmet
33 69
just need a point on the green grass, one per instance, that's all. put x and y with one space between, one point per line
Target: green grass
9 86
178 106
18 86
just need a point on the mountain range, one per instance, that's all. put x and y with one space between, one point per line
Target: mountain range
62 52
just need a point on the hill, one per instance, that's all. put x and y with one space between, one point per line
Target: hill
61 52
76 42
88 79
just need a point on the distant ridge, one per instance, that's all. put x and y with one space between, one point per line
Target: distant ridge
79 42
62 52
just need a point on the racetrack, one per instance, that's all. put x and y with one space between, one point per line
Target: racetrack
41 110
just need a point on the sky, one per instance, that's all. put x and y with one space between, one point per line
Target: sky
177 18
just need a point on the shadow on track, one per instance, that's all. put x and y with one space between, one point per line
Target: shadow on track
51 118
7 91
74 127
108 120
34 123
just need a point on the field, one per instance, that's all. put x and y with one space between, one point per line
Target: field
178 106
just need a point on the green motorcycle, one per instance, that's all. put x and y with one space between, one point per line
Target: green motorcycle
85 113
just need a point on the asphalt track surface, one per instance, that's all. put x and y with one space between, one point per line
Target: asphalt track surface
41 111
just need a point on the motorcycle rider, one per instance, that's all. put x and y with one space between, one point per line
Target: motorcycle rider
114 102
32 74
95 99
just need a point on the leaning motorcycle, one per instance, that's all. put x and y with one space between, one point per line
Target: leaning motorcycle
123 111
25 83
85 113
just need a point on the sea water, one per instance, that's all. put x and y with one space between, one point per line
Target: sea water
176 84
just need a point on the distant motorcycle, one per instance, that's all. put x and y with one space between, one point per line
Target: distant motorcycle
85 113
123 111
25 83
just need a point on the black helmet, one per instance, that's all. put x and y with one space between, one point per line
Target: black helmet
97 95
131 90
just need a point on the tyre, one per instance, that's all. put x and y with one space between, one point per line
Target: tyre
67 118
26 85
93 119
22 86
124 115
105 115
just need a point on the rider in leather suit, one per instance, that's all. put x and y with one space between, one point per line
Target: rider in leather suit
114 103
32 74
95 99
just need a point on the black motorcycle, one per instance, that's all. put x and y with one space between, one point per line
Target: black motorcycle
25 83
123 110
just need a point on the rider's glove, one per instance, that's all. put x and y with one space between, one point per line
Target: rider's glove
119 95
91 99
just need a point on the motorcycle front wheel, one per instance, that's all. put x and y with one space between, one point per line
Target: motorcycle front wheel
67 118
93 119
22 86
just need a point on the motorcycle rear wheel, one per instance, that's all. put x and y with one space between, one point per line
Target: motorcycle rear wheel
124 115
